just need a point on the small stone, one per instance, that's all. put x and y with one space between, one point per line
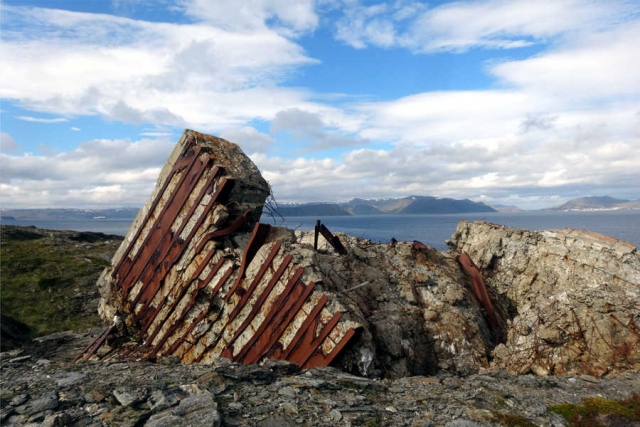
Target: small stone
20 359
335 415
127 396
288 392
19 399
67 379
162 399
391 409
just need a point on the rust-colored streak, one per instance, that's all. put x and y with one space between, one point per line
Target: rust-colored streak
263 296
274 329
184 161
479 287
95 344
276 308
154 278
168 240
300 357
202 315
160 235
302 332
224 232
417 245
256 280
320 359
258 236
177 322
333 240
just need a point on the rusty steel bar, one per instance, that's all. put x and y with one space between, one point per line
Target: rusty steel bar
315 235
293 281
160 233
256 280
176 168
320 359
159 250
301 333
263 296
192 300
309 342
154 278
479 287
201 316
417 245
284 313
258 236
95 344
333 240
224 232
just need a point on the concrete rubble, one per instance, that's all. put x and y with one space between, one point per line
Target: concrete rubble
199 279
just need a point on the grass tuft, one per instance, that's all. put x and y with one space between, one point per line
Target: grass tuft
600 412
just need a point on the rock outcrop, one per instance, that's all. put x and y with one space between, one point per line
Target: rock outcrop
572 297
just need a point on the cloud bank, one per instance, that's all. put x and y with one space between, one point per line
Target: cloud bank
560 123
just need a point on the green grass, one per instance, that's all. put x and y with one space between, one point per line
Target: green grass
46 282
600 412
511 420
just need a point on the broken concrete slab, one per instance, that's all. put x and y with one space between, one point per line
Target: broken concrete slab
188 281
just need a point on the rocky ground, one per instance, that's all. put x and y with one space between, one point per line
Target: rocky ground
42 386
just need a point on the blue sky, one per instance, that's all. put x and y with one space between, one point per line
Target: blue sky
523 102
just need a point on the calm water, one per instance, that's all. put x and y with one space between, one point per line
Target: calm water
432 230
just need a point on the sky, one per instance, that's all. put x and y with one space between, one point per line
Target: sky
514 102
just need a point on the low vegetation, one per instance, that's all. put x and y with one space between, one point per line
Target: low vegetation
600 412
47 278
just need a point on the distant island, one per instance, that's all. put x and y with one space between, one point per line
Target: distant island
596 203
405 205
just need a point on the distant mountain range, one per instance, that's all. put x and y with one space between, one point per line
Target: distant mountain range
405 205
596 203
357 206
68 214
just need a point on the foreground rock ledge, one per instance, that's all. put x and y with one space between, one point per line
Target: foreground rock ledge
198 278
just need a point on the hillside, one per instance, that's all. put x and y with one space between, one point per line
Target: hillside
596 203
69 214
312 209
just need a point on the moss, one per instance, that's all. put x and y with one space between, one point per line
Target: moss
511 420
46 283
600 412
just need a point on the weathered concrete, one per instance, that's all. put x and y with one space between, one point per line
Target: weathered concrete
189 281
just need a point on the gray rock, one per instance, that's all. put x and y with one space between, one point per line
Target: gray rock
67 379
163 399
43 403
128 396
196 410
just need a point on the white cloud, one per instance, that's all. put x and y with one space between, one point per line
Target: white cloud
309 128
290 17
75 129
459 26
7 143
41 120
248 138
100 172
192 75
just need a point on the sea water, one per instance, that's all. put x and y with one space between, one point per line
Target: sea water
432 230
